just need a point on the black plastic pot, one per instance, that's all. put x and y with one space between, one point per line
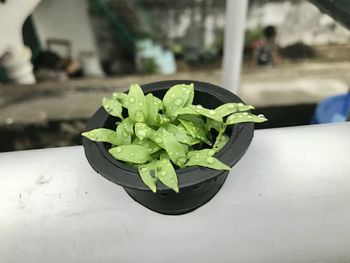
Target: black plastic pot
197 184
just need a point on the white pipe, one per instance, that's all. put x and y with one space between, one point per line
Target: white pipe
236 13
287 200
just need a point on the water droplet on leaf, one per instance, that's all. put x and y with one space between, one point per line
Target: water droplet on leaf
178 102
210 160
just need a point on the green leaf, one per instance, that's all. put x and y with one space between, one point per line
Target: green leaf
194 141
162 120
151 146
130 153
207 152
148 174
113 107
175 149
167 175
213 124
101 135
190 91
220 142
152 109
159 103
121 97
125 131
229 108
179 134
136 102
177 97
186 111
212 114
206 160
185 147
157 137
244 117
195 126
142 130
164 155
155 155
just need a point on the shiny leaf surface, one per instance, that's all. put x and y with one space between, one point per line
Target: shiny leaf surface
142 130
196 127
131 153
177 97
150 145
229 108
113 107
101 135
174 149
148 174
136 102
125 132
167 175
203 159
244 117
212 114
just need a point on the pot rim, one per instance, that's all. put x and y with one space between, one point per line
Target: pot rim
127 176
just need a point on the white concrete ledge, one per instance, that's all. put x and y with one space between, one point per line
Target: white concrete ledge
286 201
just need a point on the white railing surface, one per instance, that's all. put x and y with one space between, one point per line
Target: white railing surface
287 200
236 16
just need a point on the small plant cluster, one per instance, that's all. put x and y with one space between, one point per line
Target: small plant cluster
158 136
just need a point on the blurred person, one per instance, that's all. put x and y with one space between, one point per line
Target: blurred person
265 49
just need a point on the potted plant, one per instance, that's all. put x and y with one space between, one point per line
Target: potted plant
170 144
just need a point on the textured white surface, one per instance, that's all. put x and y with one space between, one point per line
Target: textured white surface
286 201
236 16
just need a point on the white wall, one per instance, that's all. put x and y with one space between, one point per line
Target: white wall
298 22
67 20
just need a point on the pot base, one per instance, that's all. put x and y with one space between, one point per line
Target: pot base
187 200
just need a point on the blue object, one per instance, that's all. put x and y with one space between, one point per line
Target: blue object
333 109
164 59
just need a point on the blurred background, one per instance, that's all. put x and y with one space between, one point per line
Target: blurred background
68 55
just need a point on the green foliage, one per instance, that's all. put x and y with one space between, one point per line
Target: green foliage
149 66
158 135
252 35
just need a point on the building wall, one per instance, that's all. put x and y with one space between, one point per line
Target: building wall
66 20
199 22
